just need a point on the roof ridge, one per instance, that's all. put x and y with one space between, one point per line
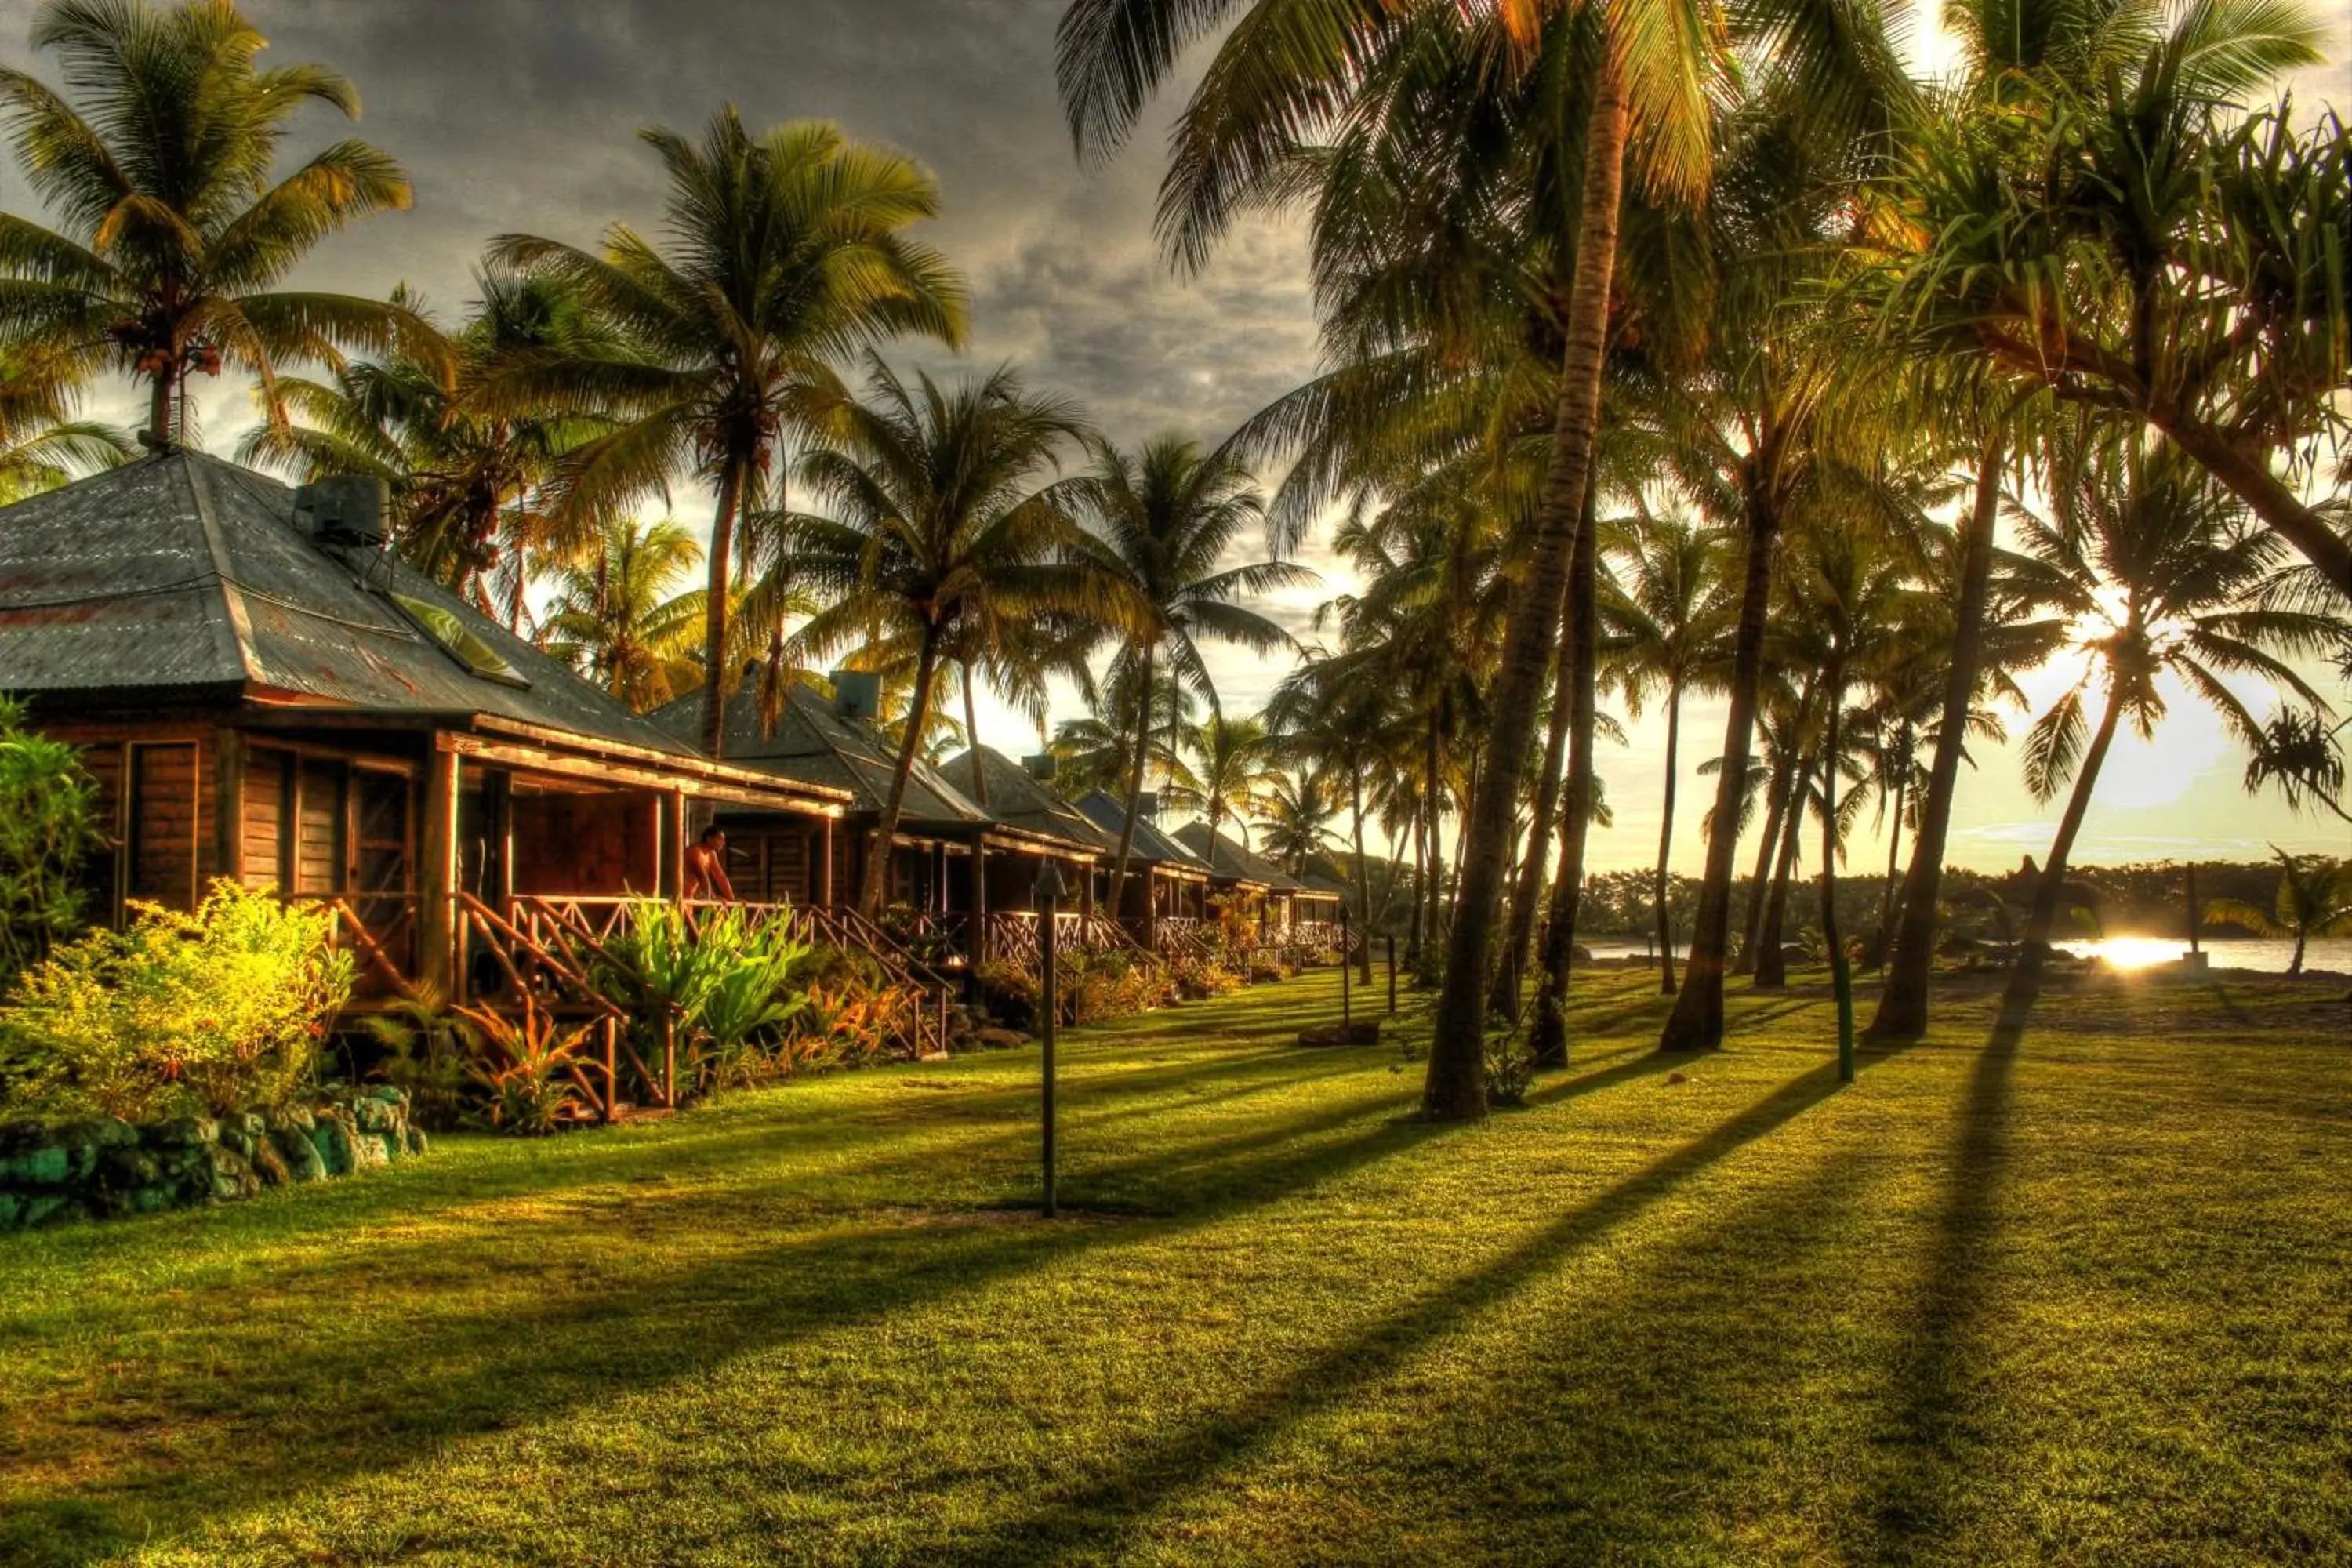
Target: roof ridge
240 623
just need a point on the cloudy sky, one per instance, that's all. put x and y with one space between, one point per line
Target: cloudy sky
521 115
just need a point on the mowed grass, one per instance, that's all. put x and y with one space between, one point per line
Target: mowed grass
2080 1300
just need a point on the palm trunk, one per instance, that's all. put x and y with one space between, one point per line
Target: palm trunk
1903 1003
2294 964
1363 873
1771 932
714 613
2025 981
1462 841
1894 846
1455 1088
1697 1022
1777 794
1666 844
1420 884
1503 1001
2251 481
1547 1040
158 407
1134 782
918 711
1841 974
1433 807
971 740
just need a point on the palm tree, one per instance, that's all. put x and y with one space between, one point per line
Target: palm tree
1298 813
2314 898
622 618
1159 522
1097 750
2159 572
468 487
42 444
1666 629
783 253
174 235
1234 753
946 532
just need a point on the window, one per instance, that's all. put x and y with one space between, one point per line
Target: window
459 642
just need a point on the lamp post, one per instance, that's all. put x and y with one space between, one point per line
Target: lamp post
1048 899
1346 969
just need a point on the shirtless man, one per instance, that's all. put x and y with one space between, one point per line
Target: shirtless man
706 868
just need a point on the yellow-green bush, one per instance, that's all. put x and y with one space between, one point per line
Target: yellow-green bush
181 1014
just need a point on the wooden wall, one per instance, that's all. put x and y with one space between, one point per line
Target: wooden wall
585 844
159 800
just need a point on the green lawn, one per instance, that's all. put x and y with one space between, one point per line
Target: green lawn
2086 1300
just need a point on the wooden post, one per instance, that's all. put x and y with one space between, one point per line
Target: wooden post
1347 973
1392 974
228 804
823 891
438 960
671 844
1049 898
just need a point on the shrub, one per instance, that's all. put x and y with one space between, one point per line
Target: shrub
426 1056
181 1014
49 824
1510 1073
1198 978
525 1070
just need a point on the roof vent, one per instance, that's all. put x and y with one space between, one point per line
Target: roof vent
345 511
857 694
1040 766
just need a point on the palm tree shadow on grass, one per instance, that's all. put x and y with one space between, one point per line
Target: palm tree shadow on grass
468 1374
1097 1518
1935 1437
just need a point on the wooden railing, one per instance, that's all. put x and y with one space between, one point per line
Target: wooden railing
379 929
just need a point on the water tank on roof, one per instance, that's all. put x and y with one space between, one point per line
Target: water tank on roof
1040 766
1147 805
344 511
857 694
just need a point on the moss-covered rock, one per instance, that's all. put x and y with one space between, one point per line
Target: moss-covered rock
298 1154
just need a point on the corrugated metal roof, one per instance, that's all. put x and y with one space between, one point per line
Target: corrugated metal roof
1228 858
1108 812
813 745
181 573
1017 800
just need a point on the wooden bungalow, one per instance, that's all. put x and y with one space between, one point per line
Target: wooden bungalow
1166 902
1015 797
265 693
954 865
1259 898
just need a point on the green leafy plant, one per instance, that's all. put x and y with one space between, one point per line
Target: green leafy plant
49 824
524 1070
183 1014
2314 898
749 1000
1510 1073
427 1045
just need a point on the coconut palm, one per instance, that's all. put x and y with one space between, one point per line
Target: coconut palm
174 231
1236 755
1096 749
622 618
469 489
2160 572
1159 522
946 531
1298 813
782 254
2314 898
1665 631
42 444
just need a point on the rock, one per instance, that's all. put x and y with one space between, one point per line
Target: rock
391 1093
417 1143
334 1142
367 1151
125 1169
269 1163
233 1176
294 1118
235 1138
52 1209
375 1115
299 1155
183 1132
42 1165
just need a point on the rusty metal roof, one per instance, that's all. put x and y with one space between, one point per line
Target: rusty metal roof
813 745
1229 861
1018 800
181 574
1108 811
